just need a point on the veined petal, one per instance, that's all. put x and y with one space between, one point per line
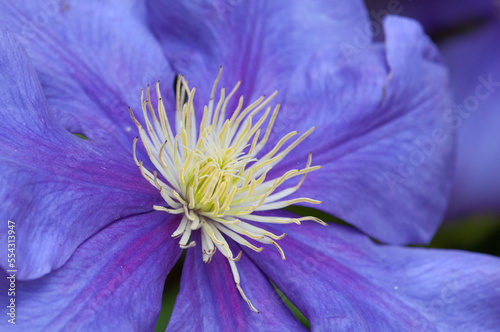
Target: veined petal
382 140
113 281
341 280
474 61
59 189
258 42
209 297
92 58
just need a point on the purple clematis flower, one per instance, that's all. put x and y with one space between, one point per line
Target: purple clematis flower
93 252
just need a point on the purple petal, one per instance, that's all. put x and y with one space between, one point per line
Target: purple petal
342 281
114 281
209 300
258 42
385 149
435 15
58 188
93 59
474 61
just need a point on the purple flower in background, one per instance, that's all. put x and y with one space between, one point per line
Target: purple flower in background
474 61
93 253
436 16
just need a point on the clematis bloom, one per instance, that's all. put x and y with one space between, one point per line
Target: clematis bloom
93 251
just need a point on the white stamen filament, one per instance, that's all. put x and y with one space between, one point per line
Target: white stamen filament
212 175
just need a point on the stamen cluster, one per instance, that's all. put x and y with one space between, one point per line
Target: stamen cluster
214 174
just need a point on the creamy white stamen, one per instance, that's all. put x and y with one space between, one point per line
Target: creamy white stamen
213 174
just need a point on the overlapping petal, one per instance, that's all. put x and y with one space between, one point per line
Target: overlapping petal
208 296
113 281
341 281
474 61
58 188
385 148
92 58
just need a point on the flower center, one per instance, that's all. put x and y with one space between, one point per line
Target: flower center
214 174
